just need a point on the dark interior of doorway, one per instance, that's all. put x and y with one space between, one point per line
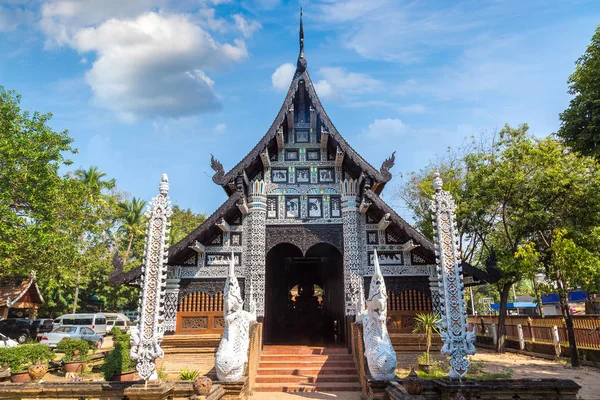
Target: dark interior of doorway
304 295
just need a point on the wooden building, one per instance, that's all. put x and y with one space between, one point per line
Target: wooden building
20 297
302 219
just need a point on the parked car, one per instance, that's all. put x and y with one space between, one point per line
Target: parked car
72 332
7 342
96 322
43 325
19 329
119 320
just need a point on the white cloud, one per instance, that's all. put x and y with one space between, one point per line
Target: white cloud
338 82
246 28
326 91
152 65
12 17
282 77
386 129
413 109
220 128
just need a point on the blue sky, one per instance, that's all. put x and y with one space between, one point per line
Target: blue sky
153 86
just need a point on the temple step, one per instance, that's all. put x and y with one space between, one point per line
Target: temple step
306 369
309 387
309 371
313 378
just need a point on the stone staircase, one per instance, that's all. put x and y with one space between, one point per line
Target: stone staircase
189 352
306 369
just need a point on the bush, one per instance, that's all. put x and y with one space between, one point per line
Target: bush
188 374
423 359
118 361
71 346
115 332
21 357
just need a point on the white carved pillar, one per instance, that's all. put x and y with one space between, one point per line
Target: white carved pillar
146 337
171 300
458 342
254 237
352 241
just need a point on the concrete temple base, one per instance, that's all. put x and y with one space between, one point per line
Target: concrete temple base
497 389
235 390
376 389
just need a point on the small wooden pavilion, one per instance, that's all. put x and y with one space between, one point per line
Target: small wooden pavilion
20 297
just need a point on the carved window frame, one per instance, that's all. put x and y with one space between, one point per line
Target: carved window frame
297 198
276 199
236 235
318 199
338 200
296 137
371 242
307 170
331 170
292 151
284 170
313 151
383 253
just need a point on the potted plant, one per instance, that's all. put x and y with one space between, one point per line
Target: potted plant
76 354
22 359
426 324
117 364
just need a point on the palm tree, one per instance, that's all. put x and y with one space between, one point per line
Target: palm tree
132 216
92 178
427 323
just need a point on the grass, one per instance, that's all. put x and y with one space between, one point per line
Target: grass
440 370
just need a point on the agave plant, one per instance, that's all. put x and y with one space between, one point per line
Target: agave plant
427 324
188 374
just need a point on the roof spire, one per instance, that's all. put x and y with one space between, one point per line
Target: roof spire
301 64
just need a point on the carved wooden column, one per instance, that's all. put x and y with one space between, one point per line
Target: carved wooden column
146 337
352 244
458 342
171 297
254 244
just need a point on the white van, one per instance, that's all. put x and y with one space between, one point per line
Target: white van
96 322
119 320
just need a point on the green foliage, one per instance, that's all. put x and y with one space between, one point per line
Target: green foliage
118 361
115 331
183 222
423 358
74 349
188 374
162 375
21 357
427 324
580 122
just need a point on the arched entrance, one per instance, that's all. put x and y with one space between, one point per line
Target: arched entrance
304 295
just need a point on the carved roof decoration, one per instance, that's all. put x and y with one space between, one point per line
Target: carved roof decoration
14 290
351 156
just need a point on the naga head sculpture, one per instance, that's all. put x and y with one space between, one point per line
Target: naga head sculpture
377 300
232 297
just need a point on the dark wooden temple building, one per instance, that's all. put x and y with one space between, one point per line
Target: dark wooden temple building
302 218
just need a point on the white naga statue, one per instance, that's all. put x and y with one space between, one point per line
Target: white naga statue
380 354
232 353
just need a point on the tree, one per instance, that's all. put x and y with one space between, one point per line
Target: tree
580 122
183 222
132 220
517 190
92 178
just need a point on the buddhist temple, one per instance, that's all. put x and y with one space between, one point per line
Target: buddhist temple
302 218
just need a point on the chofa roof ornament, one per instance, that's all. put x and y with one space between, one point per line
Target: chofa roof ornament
301 64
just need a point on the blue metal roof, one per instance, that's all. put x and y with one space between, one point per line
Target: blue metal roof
516 304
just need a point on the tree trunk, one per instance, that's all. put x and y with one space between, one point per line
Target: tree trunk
128 248
502 316
564 305
428 343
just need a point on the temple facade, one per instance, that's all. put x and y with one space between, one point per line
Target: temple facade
302 220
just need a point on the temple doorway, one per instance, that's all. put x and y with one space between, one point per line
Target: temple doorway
304 296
